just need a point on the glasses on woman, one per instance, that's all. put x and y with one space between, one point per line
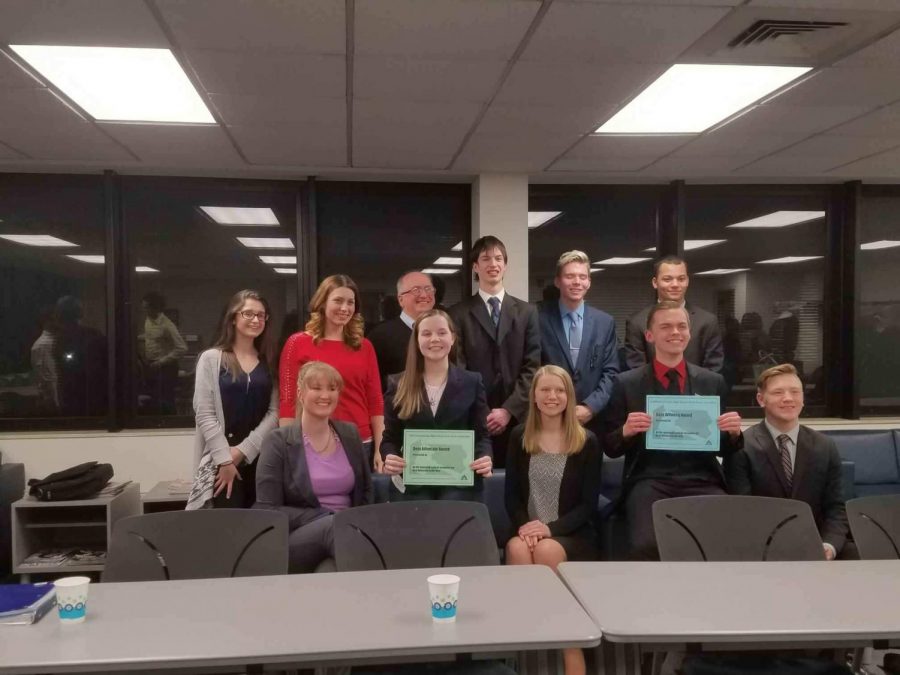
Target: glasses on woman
250 315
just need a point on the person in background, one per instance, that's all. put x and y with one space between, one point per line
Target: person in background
433 394
313 468
334 335
43 364
552 482
415 294
235 404
163 346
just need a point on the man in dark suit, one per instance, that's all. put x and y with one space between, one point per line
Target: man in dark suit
782 458
651 475
498 336
415 293
670 279
579 338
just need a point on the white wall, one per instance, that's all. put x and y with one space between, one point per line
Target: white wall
500 208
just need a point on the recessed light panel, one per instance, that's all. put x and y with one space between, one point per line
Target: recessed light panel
93 259
439 270
279 259
266 242
446 260
722 271
538 218
145 269
882 243
238 215
693 244
788 259
458 246
621 261
596 269
690 98
120 84
780 219
37 240
285 270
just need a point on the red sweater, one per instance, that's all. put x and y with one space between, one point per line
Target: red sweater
361 397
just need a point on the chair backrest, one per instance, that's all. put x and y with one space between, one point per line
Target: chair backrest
731 527
406 535
203 544
875 524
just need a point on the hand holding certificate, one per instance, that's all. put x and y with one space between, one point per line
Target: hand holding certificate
683 423
438 457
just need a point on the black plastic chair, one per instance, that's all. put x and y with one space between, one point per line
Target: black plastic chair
203 544
407 535
875 524
736 528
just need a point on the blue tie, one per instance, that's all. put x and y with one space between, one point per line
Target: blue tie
574 337
495 310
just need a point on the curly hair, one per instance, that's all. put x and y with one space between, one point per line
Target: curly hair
353 331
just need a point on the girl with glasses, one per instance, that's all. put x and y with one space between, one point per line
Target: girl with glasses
235 404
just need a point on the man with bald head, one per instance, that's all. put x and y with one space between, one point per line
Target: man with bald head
415 293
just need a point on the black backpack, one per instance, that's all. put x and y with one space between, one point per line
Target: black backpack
78 482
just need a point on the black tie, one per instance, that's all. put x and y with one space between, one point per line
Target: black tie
673 389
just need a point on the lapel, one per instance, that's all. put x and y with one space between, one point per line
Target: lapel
304 486
479 310
770 450
449 395
560 332
586 344
803 460
507 309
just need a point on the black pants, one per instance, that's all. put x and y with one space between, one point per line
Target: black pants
639 509
243 492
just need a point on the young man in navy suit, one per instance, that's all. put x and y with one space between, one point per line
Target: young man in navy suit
580 339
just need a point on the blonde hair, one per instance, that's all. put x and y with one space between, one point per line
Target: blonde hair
316 370
574 256
353 331
784 369
411 387
574 433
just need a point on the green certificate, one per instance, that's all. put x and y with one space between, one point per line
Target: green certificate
438 457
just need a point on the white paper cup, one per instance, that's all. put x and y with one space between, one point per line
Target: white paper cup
444 592
71 598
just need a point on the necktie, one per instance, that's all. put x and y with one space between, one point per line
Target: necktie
784 447
673 389
495 310
574 337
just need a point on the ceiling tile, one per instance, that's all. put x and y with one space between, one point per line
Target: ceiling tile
845 87
884 123
236 72
840 148
7 152
884 53
604 164
455 29
613 34
724 143
675 167
487 152
291 108
885 5
34 109
533 122
790 119
176 144
310 26
72 141
646 147
294 145
13 77
884 165
692 3
401 158
416 79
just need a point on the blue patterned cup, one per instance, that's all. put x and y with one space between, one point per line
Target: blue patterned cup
444 592
71 598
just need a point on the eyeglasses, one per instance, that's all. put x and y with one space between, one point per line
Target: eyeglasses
419 290
249 315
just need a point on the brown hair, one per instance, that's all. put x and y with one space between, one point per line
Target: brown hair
353 331
784 369
411 387
662 307
575 435
486 243
263 342
314 370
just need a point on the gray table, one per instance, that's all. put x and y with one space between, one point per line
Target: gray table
321 619
736 605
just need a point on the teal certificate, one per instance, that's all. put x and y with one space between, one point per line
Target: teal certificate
683 423
438 457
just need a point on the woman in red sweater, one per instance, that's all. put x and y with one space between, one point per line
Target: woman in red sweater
334 334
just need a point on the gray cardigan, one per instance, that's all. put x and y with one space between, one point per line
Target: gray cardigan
210 435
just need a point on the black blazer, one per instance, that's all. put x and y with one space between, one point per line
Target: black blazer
282 451
507 357
705 348
462 406
390 339
629 395
756 470
577 492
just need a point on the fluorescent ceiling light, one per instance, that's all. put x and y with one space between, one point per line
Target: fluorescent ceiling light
279 259
144 268
286 270
881 243
722 271
458 246
788 259
690 98
439 270
122 84
693 244
237 215
781 219
444 260
596 269
37 240
93 259
621 261
538 218
266 242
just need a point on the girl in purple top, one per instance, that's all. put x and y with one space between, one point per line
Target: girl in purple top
313 468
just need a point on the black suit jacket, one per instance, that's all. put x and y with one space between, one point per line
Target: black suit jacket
757 470
391 340
704 350
282 452
629 395
577 492
507 357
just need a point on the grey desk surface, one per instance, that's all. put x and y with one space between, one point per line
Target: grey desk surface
731 602
160 493
321 619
